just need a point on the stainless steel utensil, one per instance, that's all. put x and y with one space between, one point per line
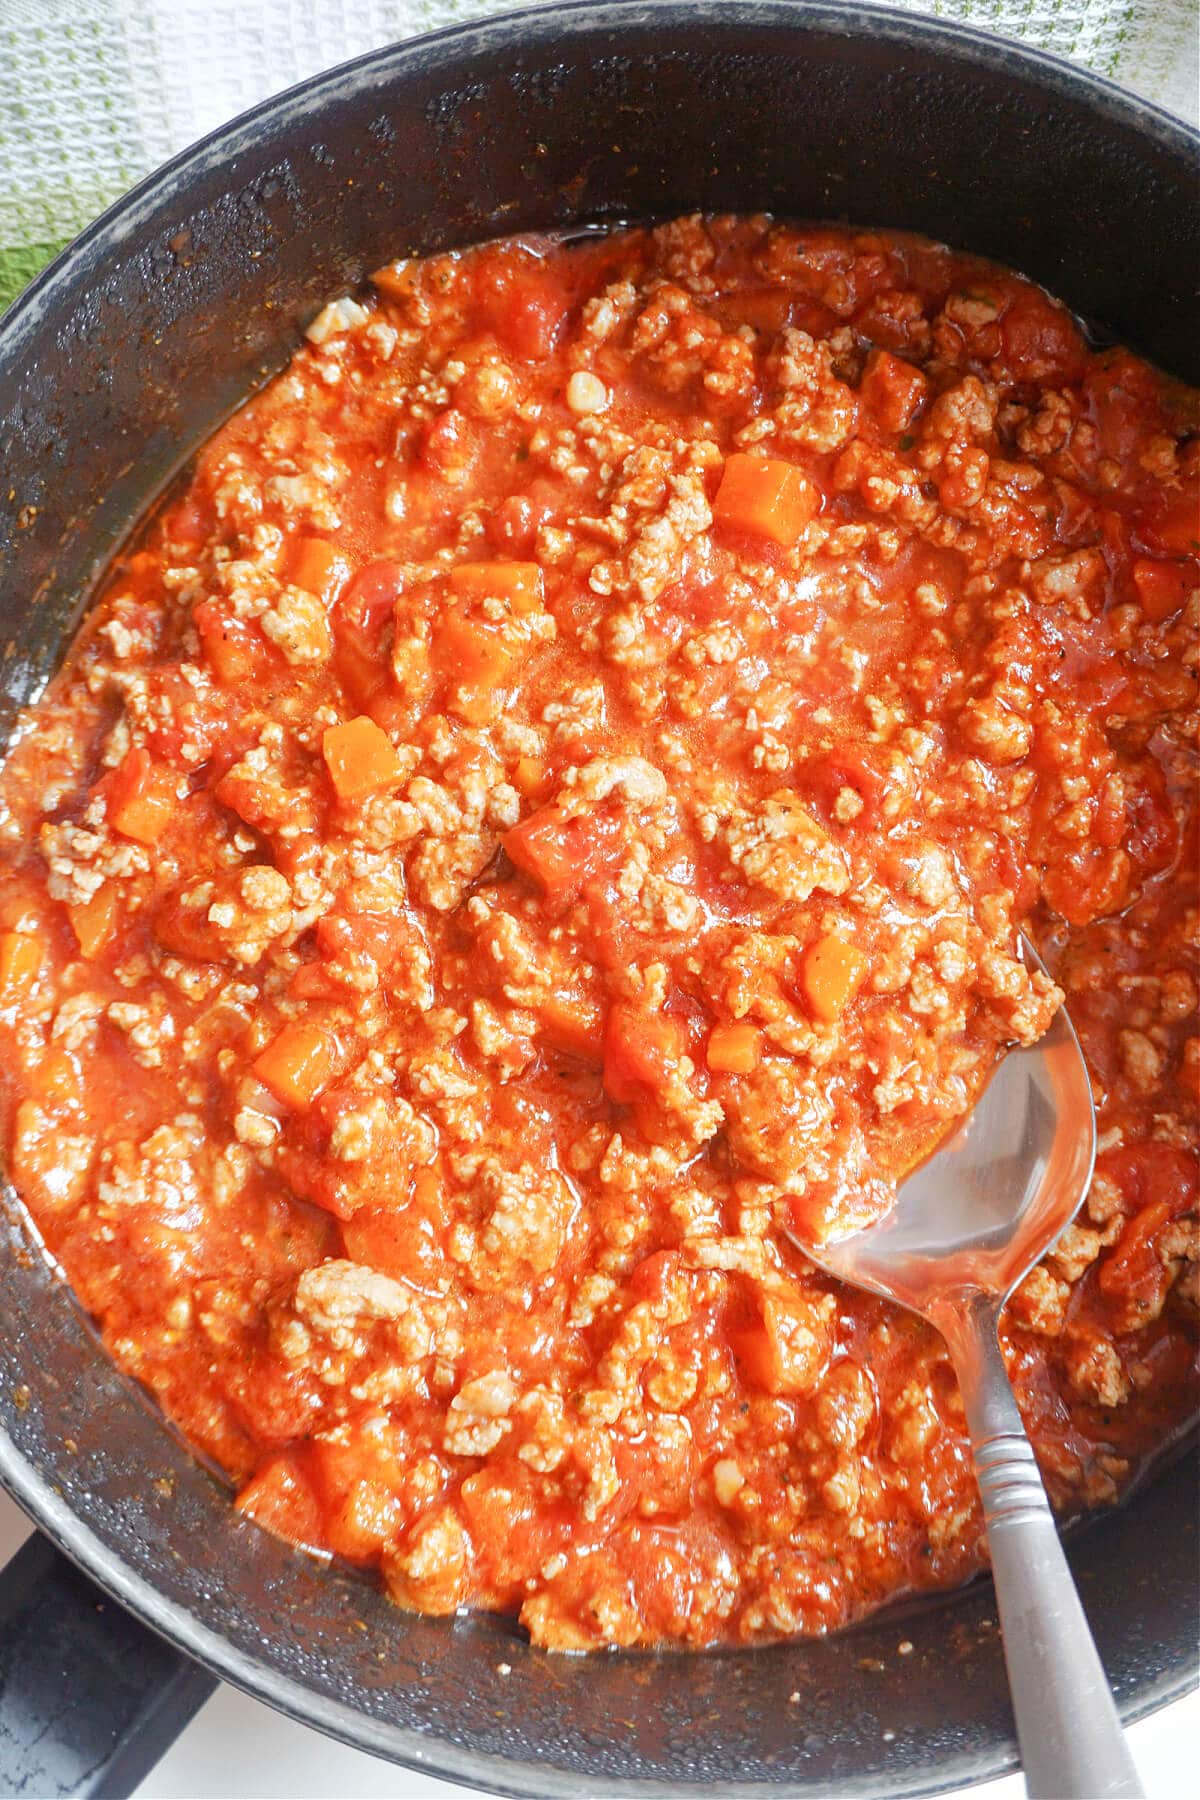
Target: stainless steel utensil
968 1225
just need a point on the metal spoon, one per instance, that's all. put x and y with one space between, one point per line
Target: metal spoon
968 1225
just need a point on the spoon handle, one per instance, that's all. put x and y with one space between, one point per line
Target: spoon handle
1072 1744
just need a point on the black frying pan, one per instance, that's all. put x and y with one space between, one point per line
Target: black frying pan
113 367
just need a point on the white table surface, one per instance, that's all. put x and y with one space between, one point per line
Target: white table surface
237 1749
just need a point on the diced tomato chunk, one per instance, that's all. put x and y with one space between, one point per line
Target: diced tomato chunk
734 1049
368 600
831 973
1151 1171
1134 1270
374 936
893 389
517 520
351 945
857 768
1162 587
656 1276
512 1526
361 759
360 620
1160 1182
1149 826
766 497
188 522
699 598
561 852
1087 884
450 445
141 797
1123 395
1041 339
1176 530
641 1050
297 1063
522 302
765 309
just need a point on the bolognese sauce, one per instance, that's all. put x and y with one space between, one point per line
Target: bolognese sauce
546 808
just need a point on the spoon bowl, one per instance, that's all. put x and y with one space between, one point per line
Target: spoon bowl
969 1223
975 1217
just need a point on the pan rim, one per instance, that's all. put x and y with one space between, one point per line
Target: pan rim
69 1531
864 17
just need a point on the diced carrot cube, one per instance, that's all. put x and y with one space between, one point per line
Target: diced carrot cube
55 1080
1162 587
572 1022
318 566
427 1193
361 759
641 1050
787 1351
734 1049
298 1063
367 1519
20 961
398 280
141 797
282 1499
473 652
476 653
234 649
893 389
831 973
359 1471
94 921
312 981
541 846
519 584
766 497
476 706
560 853
529 774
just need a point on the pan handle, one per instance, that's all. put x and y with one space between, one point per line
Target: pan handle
89 1698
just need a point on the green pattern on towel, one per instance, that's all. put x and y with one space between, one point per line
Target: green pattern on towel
95 93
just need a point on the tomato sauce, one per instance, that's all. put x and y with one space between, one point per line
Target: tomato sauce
547 807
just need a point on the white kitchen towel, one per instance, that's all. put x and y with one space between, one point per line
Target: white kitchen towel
94 93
